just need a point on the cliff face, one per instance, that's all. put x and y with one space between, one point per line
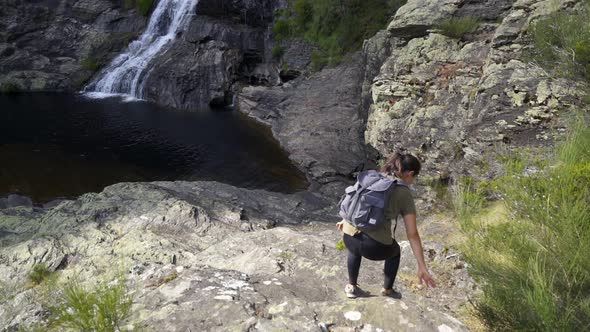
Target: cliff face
226 43
456 101
56 45
60 45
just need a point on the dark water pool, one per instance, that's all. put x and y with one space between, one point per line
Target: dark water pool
60 146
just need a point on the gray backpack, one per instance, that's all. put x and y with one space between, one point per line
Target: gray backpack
364 203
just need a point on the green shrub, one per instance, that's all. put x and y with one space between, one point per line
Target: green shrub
336 26
532 264
562 42
281 29
38 273
9 88
458 27
90 64
145 6
278 51
303 12
101 309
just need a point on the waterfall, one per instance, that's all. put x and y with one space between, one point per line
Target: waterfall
127 73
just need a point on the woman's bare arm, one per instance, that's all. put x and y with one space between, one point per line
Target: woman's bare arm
416 244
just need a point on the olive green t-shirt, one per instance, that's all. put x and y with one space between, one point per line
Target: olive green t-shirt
401 203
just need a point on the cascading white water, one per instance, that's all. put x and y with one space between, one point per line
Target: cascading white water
126 74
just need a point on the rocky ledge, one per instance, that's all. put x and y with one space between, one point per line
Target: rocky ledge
210 257
457 101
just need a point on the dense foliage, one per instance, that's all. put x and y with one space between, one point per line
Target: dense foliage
335 26
532 260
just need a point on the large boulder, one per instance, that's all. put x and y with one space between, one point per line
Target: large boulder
417 16
317 119
203 78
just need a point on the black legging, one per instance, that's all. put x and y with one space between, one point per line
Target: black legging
362 245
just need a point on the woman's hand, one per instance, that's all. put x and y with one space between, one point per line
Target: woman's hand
340 225
425 278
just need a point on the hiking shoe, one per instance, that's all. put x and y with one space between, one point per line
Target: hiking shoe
391 293
351 291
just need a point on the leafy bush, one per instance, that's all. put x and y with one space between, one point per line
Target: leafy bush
562 42
145 6
336 26
458 27
101 309
532 263
38 273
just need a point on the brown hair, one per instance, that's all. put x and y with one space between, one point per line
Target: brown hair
400 162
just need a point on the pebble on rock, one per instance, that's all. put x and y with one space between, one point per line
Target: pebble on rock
352 315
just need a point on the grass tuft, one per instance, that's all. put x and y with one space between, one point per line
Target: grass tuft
102 309
562 42
38 273
469 199
532 261
458 27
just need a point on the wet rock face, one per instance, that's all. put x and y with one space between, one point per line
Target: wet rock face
204 79
203 66
210 257
225 44
452 101
37 57
316 119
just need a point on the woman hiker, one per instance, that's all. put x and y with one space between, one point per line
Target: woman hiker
378 244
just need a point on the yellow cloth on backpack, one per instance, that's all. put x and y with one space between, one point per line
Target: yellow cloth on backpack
349 229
